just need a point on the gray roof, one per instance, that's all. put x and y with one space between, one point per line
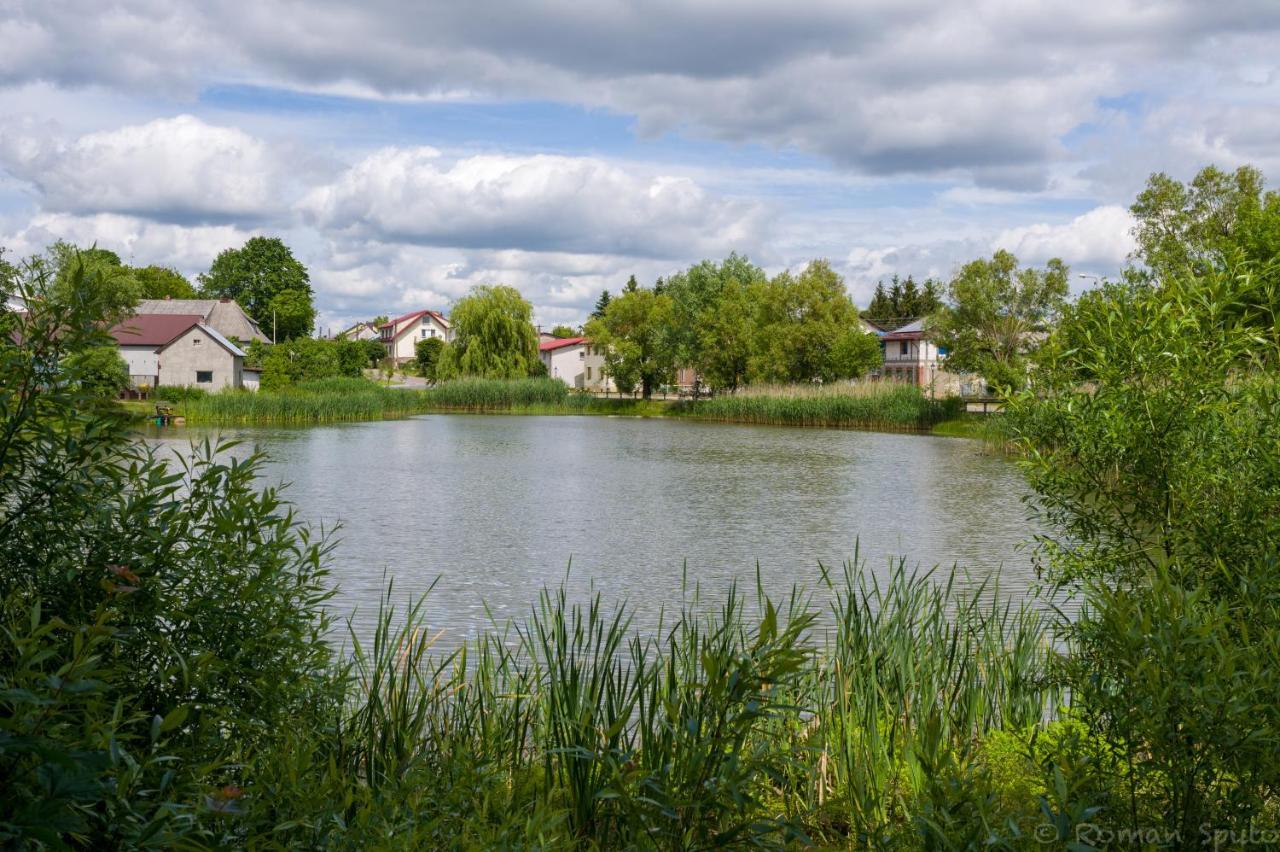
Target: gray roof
222 315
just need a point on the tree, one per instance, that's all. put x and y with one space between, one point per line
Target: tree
712 320
254 275
564 331
633 333
99 371
1218 220
997 314
304 359
380 320
602 304
806 329
427 353
162 282
374 351
905 300
493 337
291 314
115 289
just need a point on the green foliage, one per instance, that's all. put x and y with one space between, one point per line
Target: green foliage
426 355
306 359
307 401
997 315
100 370
292 314
634 334
115 289
158 622
497 394
1150 444
875 406
374 351
564 331
255 275
713 318
904 300
808 330
493 336
162 282
602 305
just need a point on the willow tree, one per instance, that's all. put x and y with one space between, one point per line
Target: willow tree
493 335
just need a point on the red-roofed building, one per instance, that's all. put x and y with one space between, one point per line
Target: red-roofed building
577 363
402 334
178 349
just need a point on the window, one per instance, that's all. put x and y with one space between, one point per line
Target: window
204 377
588 374
195 341
904 347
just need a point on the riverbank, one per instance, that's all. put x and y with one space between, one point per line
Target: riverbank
890 407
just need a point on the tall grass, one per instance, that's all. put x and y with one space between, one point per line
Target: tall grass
877 405
497 394
744 725
316 401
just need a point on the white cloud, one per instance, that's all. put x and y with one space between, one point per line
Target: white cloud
1100 238
137 241
178 169
532 203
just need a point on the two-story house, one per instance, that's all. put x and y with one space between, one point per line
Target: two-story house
576 362
402 334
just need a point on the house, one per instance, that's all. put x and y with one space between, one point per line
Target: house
360 331
910 356
178 349
224 316
576 362
402 334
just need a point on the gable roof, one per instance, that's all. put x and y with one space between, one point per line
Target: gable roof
560 343
225 315
409 318
152 329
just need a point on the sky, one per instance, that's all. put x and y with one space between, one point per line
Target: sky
407 152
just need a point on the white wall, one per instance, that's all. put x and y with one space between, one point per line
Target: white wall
143 362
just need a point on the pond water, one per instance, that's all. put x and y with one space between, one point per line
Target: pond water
497 507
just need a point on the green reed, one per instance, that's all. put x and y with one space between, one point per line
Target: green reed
317 401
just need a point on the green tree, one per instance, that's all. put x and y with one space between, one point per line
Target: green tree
380 320
100 371
997 313
292 314
493 335
162 282
602 304
427 354
805 330
1219 219
634 336
374 351
904 300
255 275
1144 439
115 289
712 324
564 331
306 358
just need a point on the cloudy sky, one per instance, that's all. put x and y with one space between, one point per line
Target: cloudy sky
407 151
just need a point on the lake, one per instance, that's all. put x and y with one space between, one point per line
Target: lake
497 507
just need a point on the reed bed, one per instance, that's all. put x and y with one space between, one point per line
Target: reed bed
318 401
873 405
498 394
741 725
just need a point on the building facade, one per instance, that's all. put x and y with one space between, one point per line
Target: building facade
224 316
576 362
402 334
178 349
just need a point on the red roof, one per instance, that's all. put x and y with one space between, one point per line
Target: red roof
413 315
549 345
152 329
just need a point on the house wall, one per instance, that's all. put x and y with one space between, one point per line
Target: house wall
594 371
402 348
144 364
184 357
568 364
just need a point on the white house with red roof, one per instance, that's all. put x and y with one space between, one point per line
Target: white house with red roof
402 334
576 362
178 349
